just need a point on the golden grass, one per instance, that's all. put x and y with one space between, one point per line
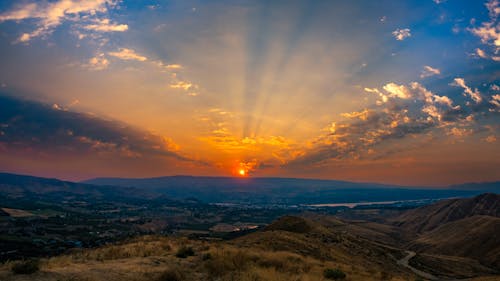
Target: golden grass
153 258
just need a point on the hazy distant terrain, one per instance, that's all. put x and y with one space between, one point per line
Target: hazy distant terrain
288 190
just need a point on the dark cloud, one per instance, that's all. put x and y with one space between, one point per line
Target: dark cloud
32 126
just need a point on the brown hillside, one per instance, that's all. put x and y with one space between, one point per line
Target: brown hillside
476 237
292 224
430 217
324 241
156 259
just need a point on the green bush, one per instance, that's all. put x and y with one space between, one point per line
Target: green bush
26 267
184 252
335 274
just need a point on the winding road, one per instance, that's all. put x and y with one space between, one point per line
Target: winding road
405 262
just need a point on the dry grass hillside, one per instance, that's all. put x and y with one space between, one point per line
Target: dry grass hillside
292 248
431 216
157 258
474 237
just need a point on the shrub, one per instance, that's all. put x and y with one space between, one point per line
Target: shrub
184 252
206 256
226 262
278 264
26 267
334 274
171 274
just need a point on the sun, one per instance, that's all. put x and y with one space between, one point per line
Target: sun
242 172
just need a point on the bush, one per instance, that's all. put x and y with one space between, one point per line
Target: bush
206 256
184 252
334 274
226 262
171 275
26 267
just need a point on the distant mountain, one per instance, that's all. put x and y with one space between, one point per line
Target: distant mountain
31 188
288 191
429 217
284 190
483 186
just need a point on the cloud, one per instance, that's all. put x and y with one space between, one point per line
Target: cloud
98 62
218 131
168 67
399 91
495 100
181 85
481 53
25 37
362 115
176 82
489 31
490 139
493 8
31 126
104 25
474 95
401 34
190 88
429 71
408 110
173 66
460 132
443 100
127 54
49 15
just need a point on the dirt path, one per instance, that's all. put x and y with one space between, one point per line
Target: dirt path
405 262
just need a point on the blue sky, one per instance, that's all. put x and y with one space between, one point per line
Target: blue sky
389 91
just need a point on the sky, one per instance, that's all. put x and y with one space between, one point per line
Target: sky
399 92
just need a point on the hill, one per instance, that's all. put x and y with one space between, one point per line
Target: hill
291 248
474 237
452 235
429 217
21 186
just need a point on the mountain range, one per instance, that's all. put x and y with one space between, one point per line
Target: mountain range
288 190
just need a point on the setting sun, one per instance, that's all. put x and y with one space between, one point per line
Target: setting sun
242 172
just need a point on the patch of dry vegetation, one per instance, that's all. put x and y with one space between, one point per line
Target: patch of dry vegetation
145 246
154 258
